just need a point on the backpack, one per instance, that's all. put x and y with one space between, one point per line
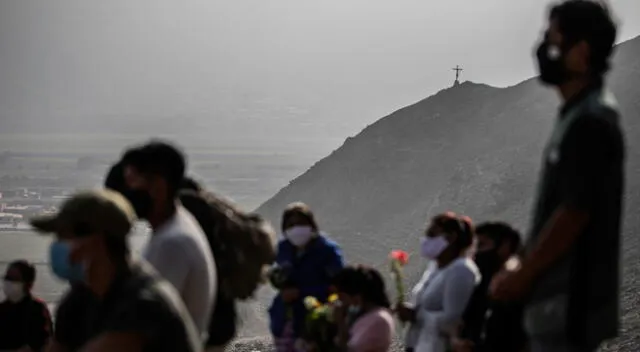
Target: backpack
243 244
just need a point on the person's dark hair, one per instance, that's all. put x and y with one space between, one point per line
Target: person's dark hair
365 282
115 180
500 233
26 269
462 226
301 210
159 159
592 22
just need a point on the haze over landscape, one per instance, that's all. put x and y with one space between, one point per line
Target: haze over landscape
270 100
250 71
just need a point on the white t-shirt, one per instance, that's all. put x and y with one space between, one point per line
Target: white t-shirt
179 251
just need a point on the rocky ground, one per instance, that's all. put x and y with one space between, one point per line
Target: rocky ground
264 344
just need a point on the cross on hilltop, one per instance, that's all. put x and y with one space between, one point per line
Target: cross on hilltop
458 69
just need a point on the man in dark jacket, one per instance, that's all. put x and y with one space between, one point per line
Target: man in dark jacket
495 326
25 323
116 303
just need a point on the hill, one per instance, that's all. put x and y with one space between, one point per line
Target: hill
473 149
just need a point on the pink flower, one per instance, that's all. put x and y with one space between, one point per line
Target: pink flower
401 257
398 259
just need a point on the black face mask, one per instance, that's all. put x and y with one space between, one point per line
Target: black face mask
489 263
141 201
551 64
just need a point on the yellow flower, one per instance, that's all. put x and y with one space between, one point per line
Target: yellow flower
332 298
311 302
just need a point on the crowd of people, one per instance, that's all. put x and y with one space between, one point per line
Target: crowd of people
484 289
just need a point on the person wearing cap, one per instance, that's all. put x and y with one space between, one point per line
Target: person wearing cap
131 307
25 322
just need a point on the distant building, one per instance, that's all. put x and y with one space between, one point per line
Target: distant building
10 219
10 216
24 210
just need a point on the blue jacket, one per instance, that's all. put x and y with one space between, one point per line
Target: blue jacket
312 272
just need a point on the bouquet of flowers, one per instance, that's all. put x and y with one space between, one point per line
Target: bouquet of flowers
398 259
320 327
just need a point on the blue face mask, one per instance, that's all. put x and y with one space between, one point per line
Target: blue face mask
59 259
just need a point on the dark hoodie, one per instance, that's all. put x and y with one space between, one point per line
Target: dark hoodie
26 323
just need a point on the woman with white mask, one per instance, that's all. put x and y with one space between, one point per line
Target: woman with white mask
445 289
312 261
25 323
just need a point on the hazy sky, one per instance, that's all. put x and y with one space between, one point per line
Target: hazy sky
349 60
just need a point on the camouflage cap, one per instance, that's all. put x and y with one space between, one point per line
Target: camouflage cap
100 211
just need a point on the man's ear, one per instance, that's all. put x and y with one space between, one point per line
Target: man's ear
133 179
580 56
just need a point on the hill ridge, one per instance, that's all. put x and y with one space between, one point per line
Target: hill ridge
440 94
474 149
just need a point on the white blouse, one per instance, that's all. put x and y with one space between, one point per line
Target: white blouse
440 299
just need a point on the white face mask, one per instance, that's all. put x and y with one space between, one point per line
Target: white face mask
14 291
299 235
432 247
